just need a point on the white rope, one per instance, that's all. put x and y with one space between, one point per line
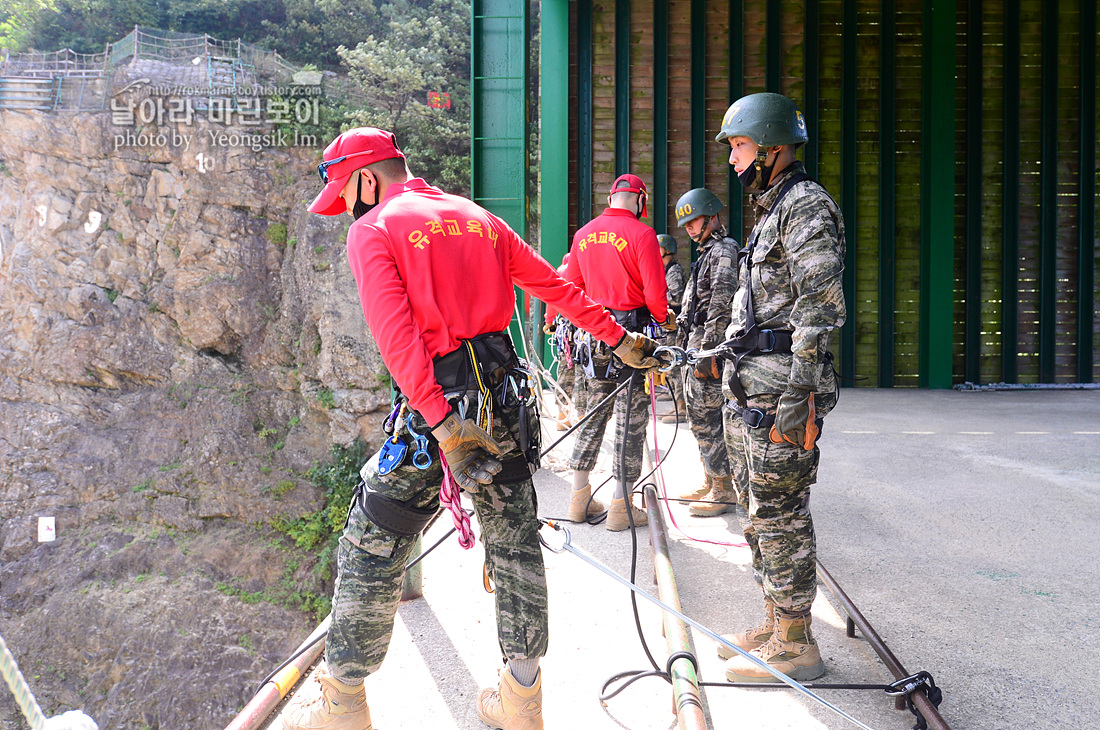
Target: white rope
71 720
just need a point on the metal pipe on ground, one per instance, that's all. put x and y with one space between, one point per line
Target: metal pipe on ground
256 712
686 697
927 709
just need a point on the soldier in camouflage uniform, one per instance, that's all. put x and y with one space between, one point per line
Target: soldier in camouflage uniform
781 383
675 280
703 322
463 409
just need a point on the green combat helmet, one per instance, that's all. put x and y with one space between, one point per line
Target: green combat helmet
667 242
694 203
767 119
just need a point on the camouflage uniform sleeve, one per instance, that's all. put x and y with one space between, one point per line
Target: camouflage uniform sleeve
723 285
813 237
676 284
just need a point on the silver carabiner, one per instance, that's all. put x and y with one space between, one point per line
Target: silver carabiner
422 458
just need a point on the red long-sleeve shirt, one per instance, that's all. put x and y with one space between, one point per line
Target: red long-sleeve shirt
434 269
617 261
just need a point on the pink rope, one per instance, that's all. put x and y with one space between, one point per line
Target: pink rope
661 477
451 498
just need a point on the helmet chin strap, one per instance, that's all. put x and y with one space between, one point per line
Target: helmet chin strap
755 177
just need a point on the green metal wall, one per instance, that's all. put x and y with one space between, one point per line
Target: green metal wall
498 75
958 136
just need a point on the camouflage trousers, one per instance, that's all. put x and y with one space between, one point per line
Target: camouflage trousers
371 564
590 434
575 385
773 488
580 390
705 404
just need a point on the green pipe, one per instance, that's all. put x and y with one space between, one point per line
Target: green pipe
584 111
937 194
1086 197
554 130
973 190
735 85
812 64
622 87
1010 225
887 205
773 45
848 180
698 121
1048 192
658 204
687 699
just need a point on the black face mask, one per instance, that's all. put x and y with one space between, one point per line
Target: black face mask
360 208
755 177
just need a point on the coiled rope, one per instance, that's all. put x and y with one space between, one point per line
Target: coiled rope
71 720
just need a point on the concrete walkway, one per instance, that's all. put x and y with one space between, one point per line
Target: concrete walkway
963 525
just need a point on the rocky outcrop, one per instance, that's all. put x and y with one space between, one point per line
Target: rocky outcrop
180 341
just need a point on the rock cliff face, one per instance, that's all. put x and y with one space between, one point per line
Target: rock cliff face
180 341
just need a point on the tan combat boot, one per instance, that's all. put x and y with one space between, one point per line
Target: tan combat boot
512 706
617 520
699 492
721 499
749 639
581 500
791 650
326 703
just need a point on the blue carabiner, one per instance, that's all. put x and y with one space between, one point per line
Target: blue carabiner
421 458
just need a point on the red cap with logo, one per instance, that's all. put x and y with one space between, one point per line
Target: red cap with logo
631 184
353 149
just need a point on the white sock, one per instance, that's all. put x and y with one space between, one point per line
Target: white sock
580 479
524 671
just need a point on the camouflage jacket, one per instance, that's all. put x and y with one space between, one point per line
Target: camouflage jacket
676 280
797 271
716 274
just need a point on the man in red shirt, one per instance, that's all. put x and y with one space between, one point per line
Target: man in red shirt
617 261
435 274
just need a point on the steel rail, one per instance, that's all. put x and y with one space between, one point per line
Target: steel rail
687 699
919 697
259 708
568 546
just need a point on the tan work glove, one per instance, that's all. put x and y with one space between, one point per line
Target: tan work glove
636 351
549 329
469 451
669 325
795 418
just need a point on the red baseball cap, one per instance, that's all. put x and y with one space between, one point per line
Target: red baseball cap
353 149
631 184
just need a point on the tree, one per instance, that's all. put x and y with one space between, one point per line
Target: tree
17 19
424 47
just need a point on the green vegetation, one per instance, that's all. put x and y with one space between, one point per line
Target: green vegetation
326 398
276 233
319 530
424 47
